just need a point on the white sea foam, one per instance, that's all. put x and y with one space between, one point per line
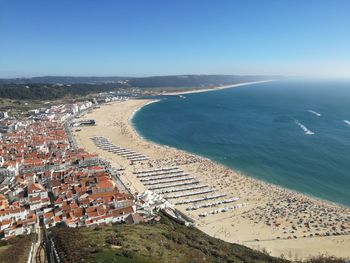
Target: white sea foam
136 110
303 127
314 112
347 122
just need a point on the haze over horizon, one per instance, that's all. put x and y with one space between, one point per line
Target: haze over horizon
115 38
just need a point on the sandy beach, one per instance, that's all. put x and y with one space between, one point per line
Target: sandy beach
264 217
217 88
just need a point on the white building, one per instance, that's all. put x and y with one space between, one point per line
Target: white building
3 115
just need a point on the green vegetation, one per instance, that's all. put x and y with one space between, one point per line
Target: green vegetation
50 91
15 249
61 79
164 241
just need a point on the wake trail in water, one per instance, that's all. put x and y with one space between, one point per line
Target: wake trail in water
303 127
315 113
347 122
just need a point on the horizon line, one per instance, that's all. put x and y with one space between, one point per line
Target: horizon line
142 76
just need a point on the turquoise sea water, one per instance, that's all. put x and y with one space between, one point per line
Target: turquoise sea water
290 133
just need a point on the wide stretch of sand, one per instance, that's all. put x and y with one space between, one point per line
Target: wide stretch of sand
279 220
218 87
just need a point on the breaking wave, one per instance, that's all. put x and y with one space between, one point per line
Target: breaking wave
303 127
315 113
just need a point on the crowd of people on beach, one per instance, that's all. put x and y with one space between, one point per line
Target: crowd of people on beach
299 216
293 215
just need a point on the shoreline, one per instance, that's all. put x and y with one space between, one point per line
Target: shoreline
318 199
245 225
218 87
136 110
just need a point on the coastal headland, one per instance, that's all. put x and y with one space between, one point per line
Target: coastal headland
263 216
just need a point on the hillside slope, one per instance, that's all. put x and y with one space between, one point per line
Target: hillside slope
164 241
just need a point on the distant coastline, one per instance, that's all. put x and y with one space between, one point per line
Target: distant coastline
218 87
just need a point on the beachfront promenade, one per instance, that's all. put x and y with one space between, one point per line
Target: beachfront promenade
223 203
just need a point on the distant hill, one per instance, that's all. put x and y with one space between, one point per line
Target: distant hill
193 80
152 81
41 91
51 87
62 80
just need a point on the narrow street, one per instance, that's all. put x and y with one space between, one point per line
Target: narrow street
40 249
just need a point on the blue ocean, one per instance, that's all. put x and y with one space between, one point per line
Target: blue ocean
295 134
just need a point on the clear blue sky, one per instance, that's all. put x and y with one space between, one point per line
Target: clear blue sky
145 37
